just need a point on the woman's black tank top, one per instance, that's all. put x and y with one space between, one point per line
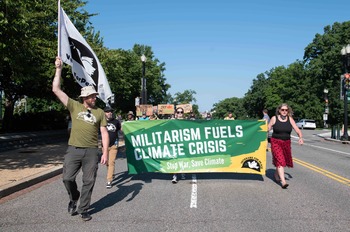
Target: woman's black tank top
282 130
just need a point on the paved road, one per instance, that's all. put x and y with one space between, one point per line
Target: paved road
223 202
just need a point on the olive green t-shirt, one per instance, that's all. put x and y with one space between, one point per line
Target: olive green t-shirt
85 124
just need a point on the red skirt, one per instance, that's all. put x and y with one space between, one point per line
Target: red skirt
281 153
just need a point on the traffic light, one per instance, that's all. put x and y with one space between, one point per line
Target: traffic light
345 86
347 83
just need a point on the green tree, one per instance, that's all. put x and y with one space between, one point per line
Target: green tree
254 100
301 84
186 97
124 72
156 81
234 105
28 45
292 85
325 65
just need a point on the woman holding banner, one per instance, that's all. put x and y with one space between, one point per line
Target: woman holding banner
282 124
179 115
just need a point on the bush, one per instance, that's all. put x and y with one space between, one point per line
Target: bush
50 120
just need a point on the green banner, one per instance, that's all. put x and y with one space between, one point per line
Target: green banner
193 146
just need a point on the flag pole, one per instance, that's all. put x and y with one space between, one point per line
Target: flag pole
59 29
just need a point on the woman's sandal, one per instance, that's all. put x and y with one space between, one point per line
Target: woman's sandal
284 186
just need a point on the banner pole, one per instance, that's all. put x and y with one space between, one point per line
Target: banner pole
59 30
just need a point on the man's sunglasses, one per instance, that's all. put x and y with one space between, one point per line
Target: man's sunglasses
89 113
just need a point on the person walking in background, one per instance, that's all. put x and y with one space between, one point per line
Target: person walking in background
82 152
120 118
153 117
229 116
208 117
144 116
282 124
130 116
266 117
192 116
113 128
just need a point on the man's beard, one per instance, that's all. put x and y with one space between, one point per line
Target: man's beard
91 104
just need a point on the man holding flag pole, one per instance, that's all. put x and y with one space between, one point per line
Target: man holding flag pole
77 53
87 119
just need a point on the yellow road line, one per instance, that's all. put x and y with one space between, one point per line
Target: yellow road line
331 175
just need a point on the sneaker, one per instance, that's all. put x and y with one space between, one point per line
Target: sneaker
85 216
109 185
174 180
183 176
72 207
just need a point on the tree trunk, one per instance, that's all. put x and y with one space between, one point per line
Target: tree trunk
7 123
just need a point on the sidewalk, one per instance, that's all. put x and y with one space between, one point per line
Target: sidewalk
29 158
328 136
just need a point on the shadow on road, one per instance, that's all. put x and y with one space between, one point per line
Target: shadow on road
270 174
121 192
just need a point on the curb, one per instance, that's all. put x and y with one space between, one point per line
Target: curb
333 140
29 181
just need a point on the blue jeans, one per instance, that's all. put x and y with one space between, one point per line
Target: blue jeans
76 159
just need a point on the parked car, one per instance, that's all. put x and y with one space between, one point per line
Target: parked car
306 124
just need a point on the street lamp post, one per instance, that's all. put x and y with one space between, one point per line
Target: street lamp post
143 81
0 103
326 109
345 87
1 98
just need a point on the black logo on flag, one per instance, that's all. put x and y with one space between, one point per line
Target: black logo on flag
83 56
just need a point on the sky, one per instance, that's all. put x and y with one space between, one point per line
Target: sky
216 48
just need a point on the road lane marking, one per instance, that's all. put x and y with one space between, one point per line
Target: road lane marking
194 192
324 172
328 149
323 148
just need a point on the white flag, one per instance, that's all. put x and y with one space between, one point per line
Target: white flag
76 52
